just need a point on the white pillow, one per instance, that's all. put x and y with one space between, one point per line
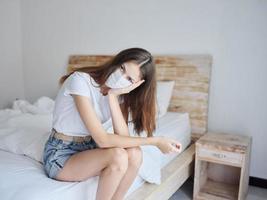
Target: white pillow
164 94
25 133
43 105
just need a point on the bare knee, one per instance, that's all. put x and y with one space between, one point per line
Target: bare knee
118 159
135 156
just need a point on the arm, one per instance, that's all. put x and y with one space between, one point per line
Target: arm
119 124
99 134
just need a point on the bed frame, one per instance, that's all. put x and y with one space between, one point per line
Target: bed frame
191 74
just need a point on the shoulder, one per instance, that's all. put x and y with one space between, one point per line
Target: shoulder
79 83
83 75
84 78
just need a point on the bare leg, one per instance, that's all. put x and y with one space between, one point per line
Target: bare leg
112 175
109 163
134 162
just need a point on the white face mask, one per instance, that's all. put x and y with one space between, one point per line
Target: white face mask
117 80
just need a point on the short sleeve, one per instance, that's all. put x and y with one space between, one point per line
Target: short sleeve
77 84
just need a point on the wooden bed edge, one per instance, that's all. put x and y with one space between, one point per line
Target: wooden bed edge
196 136
174 174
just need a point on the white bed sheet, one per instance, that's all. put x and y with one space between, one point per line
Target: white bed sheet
23 178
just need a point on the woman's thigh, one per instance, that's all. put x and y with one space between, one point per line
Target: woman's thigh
82 165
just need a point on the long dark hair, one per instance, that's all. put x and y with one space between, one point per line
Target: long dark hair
140 102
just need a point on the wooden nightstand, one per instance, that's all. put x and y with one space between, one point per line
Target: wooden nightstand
222 167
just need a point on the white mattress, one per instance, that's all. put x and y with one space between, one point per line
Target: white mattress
23 178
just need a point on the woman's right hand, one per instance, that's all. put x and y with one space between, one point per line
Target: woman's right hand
168 145
119 91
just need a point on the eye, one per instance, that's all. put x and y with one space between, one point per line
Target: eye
122 68
129 78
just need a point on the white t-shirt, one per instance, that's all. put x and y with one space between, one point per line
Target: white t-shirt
66 118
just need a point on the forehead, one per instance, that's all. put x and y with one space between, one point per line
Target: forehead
133 70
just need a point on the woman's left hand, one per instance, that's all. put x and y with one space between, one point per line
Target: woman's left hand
119 91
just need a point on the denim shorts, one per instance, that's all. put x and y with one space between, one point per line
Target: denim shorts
57 152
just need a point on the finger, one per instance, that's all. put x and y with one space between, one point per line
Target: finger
175 150
177 144
172 150
176 147
134 85
138 83
174 142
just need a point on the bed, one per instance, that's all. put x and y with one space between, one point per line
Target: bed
22 177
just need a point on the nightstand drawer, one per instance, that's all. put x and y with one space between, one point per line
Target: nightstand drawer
220 156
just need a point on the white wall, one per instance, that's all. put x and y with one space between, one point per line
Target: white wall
11 74
234 32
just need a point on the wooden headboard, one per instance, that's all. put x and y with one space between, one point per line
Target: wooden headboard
191 74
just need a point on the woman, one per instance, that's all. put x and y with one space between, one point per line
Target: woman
79 147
